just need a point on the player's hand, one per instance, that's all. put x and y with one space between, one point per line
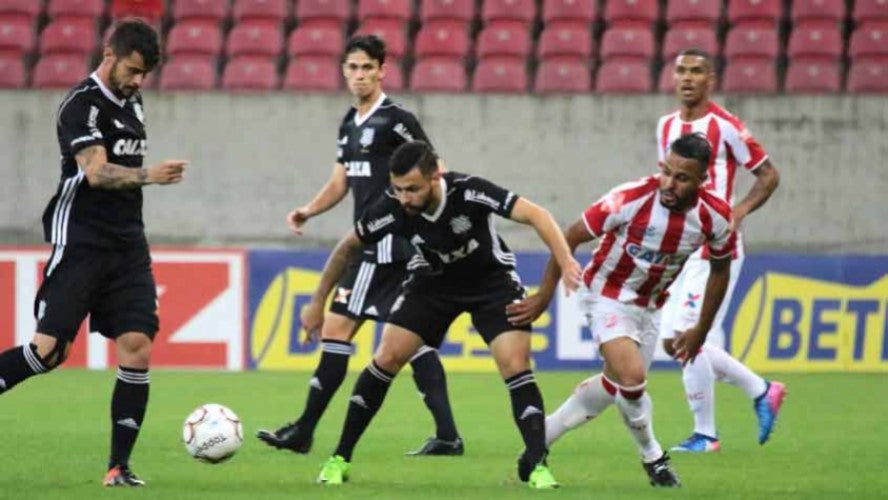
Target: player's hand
688 343
166 172
571 275
296 219
527 310
736 219
312 318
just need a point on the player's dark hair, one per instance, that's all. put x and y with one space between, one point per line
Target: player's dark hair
695 52
371 44
694 146
416 154
134 35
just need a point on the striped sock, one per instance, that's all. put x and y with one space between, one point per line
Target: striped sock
428 373
324 383
529 414
128 404
366 399
18 364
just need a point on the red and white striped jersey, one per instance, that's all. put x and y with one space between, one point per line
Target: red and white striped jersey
644 245
732 145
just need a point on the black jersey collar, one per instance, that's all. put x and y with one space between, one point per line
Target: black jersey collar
359 120
434 217
110 95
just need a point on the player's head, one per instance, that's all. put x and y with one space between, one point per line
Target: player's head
413 169
362 65
684 171
694 76
132 51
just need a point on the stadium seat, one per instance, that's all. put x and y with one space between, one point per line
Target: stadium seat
254 39
462 11
624 77
188 73
194 38
151 11
442 38
394 76
314 73
392 31
23 10
398 10
504 40
562 76
250 73
666 82
763 13
205 10
627 42
869 42
12 71
687 13
871 11
508 11
825 13
266 10
319 41
89 9
77 36
16 36
631 13
868 77
678 39
743 42
813 77
59 71
815 42
745 76
438 74
500 75
568 12
565 40
328 13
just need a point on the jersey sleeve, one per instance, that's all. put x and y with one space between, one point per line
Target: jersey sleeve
722 242
341 141
78 124
381 218
604 215
745 148
483 194
660 135
407 127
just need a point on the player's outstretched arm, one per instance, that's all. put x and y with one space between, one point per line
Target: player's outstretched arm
688 343
100 174
766 181
312 316
527 212
328 197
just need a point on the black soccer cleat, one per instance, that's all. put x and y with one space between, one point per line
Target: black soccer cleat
287 437
121 475
439 447
661 474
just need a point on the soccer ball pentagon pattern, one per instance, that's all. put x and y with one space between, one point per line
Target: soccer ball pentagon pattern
212 433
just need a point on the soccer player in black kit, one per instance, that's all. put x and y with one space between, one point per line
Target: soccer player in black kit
369 133
462 265
100 263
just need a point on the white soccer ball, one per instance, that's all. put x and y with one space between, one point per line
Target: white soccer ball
212 433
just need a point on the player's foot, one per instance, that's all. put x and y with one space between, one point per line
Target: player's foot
526 467
287 437
660 473
541 478
121 475
439 447
335 471
766 407
698 443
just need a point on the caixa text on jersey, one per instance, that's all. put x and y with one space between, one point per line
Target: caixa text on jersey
130 147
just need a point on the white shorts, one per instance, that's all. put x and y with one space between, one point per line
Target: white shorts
682 310
609 319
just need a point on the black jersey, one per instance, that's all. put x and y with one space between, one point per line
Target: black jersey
92 115
458 244
364 148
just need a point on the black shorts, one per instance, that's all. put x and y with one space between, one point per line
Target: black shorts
368 290
114 286
428 310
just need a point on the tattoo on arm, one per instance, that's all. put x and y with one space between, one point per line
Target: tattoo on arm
103 175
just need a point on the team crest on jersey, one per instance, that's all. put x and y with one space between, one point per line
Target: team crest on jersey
367 136
460 224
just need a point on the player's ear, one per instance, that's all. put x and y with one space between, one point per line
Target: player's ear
107 52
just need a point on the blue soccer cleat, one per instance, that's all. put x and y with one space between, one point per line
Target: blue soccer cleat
698 443
766 407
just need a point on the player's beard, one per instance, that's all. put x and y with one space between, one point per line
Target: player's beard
119 89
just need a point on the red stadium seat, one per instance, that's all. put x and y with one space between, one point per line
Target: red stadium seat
394 76
398 10
813 77
815 42
572 12
23 10
868 77
267 10
504 40
743 42
391 31
447 10
562 76
16 36
320 41
624 77
315 73
194 37
869 42
758 76
90 9
76 36
441 38
514 11
438 74
255 39
627 42
12 71
500 75
565 40
329 13
871 11
151 11
666 82
631 13
188 73
250 73
679 39
59 71
702 13
817 12
765 13
206 10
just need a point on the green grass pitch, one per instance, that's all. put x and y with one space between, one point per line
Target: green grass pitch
830 442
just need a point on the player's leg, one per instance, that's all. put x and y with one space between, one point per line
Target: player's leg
41 355
431 381
589 399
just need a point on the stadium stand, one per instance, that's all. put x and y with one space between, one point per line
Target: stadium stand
501 75
562 76
188 72
813 77
313 73
438 75
315 41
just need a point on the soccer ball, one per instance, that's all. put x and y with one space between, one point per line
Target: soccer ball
212 433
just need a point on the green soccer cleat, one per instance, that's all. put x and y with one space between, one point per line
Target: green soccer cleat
335 471
542 479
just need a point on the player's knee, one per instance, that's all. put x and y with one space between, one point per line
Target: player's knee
390 361
513 365
669 347
338 327
632 376
134 350
52 353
